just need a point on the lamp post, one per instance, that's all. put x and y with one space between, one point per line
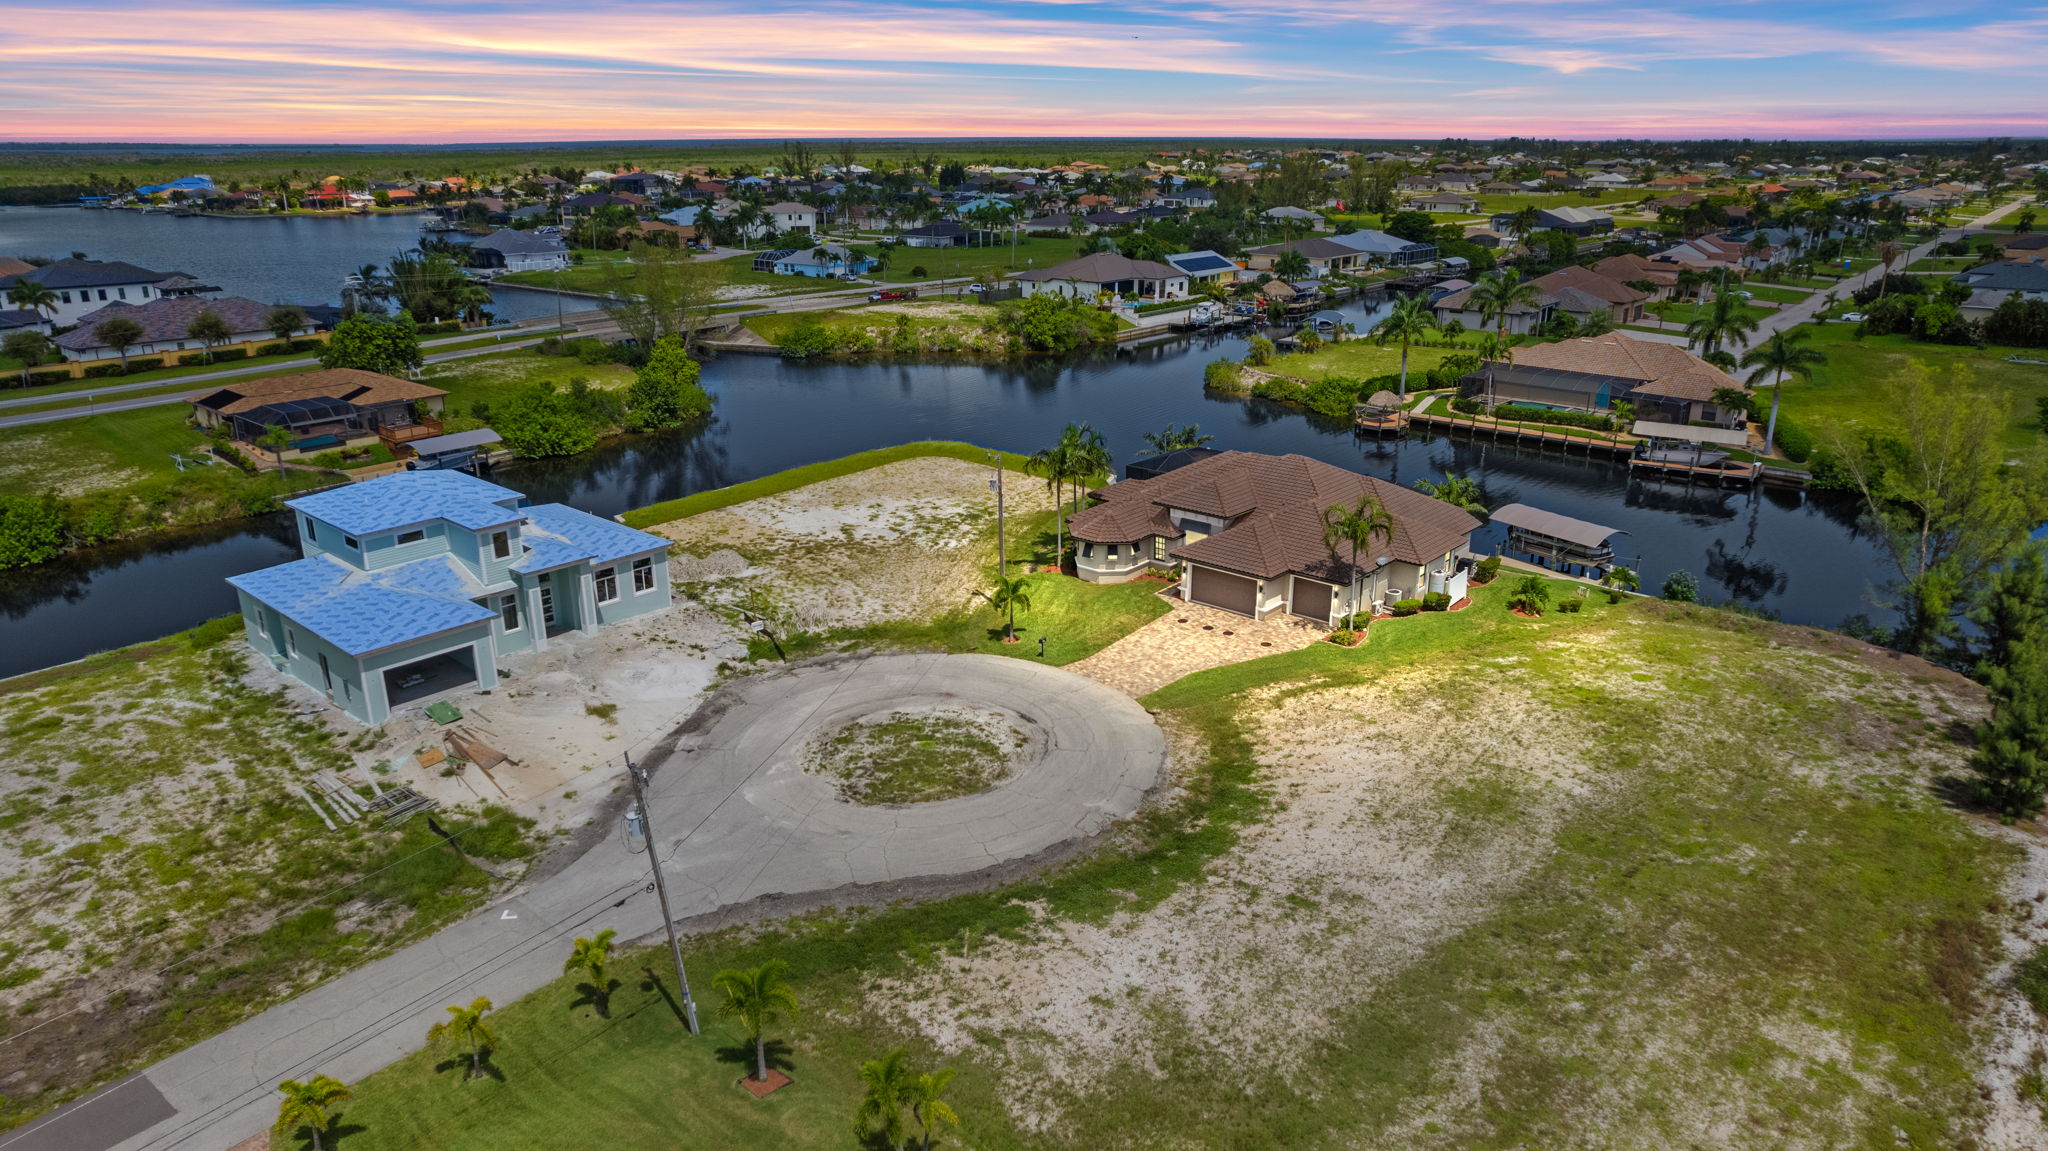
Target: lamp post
996 485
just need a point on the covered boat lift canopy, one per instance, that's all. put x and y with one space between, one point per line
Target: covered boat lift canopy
1659 430
1548 535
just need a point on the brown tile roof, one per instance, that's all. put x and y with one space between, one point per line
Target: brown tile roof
1103 268
348 384
170 318
1276 505
1622 269
1664 369
1591 283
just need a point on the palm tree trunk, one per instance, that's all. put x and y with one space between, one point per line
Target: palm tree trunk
760 1059
316 1138
1771 429
1404 369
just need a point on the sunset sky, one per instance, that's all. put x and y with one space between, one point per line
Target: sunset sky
435 71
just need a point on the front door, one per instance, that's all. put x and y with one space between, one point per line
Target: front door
547 606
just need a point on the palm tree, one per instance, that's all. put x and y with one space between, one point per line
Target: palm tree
755 999
1888 253
1495 297
927 1107
889 1081
1722 322
1356 526
473 299
119 333
1457 491
209 329
1087 456
1623 578
1291 265
307 1105
1530 596
1598 322
1410 320
1052 464
30 296
1010 594
1783 352
590 956
283 321
466 1026
1175 438
1523 222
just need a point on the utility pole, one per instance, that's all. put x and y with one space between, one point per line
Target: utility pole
675 947
1002 549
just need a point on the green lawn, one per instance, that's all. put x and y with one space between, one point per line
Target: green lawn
996 261
1683 312
1797 906
1776 295
1942 264
1843 389
1358 359
493 379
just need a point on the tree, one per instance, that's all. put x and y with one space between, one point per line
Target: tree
284 322
1495 297
1050 323
472 301
277 439
389 345
30 296
1291 265
29 347
309 1105
1781 353
1530 595
1176 437
590 956
1458 491
927 1104
1888 253
465 1027
756 999
1086 455
889 1082
119 333
1722 321
1682 586
1947 508
665 392
428 283
1356 526
540 421
1010 594
2011 607
1052 464
31 529
1409 321
660 291
210 330
2011 760
1623 578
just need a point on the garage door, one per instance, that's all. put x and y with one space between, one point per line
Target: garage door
1229 592
1312 600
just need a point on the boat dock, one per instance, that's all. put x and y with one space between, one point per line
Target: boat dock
1728 473
1597 444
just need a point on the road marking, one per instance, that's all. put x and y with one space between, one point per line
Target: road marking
508 913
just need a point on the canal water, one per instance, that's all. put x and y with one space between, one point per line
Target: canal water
270 259
1799 556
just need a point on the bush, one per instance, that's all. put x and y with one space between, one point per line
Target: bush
1356 621
235 456
549 346
1449 370
1795 443
1682 586
808 338
102 371
1259 352
1523 413
1531 595
1486 569
1569 606
35 378
1436 601
1343 637
2030 978
1223 375
1406 606
592 353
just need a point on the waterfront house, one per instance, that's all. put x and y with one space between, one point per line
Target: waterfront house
1661 381
165 322
517 251
1569 220
1324 254
84 286
330 408
1384 250
1244 531
424 582
816 260
1521 320
1581 292
1106 272
950 234
1205 267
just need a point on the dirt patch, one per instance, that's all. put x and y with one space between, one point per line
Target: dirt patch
918 755
32 464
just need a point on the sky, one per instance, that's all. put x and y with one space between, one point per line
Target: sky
448 71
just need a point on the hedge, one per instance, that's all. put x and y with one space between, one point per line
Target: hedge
35 378
191 358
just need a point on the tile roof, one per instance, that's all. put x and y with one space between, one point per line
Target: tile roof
170 318
1460 301
1276 505
1663 369
407 498
1102 268
516 241
73 272
351 385
557 534
366 611
1591 283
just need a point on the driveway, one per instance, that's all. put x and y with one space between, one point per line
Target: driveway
737 820
1192 638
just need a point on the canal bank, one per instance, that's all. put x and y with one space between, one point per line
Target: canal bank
1800 556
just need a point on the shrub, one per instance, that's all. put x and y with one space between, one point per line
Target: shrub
808 338
1449 370
35 378
1795 443
102 371
1523 413
1486 570
1436 601
2030 978
235 456
549 346
277 349
1406 606
917 272
1223 375
1356 621
1343 637
592 353
1531 595
1682 586
1259 352
1569 606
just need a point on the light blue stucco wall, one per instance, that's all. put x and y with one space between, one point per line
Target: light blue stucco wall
631 603
383 550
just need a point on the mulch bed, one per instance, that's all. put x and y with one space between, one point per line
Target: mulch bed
761 1089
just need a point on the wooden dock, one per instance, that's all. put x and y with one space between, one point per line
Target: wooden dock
1739 476
1611 445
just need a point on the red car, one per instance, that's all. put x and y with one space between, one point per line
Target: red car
892 294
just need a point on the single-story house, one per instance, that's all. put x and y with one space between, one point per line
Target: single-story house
1521 320
1205 267
423 582
1385 250
83 286
817 260
591 201
1245 531
166 322
1663 381
517 251
1712 253
1631 268
1572 221
950 234
1992 284
1580 292
1444 202
2030 247
1325 255
324 408
1283 215
1099 272
14 320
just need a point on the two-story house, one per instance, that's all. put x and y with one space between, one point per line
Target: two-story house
1245 532
84 286
423 582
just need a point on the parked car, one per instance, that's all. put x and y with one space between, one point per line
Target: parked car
892 294
1744 295
1852 317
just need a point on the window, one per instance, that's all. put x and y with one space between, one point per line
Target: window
501 544
262 625
1112 551
64 297
350 541
103 293
1159 547
508 612
291 641
311 534
412 537
607 580
124 295
1087 551
643 575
